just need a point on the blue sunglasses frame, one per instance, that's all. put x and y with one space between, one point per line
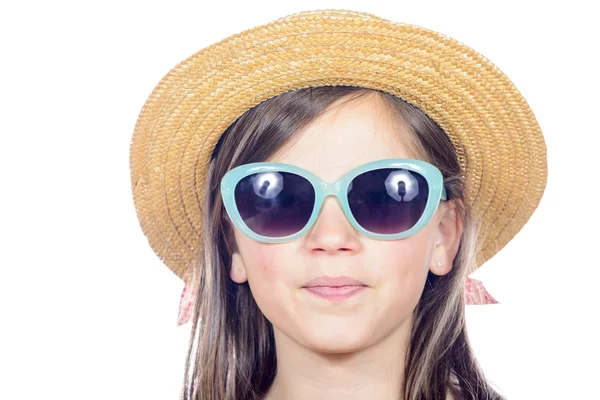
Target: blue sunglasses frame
433 176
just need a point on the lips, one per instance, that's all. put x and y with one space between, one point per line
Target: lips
335 293
328 291
335 282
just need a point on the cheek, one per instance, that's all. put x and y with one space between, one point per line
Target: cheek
267 276
402 256
402 268
261 260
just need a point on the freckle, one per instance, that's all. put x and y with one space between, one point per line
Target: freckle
264 264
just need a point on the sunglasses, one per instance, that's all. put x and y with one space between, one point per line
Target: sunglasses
385 199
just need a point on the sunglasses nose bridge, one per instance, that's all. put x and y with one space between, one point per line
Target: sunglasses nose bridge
330 189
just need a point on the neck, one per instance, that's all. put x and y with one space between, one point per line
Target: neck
373 372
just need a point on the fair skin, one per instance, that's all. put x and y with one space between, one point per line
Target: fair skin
353 349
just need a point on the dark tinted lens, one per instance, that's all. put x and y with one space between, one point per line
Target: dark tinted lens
275 204
388 201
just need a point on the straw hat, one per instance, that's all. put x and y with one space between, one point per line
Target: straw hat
498 141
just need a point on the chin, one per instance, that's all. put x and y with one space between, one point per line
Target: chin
335 342
336 348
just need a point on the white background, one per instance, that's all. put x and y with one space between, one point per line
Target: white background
87 309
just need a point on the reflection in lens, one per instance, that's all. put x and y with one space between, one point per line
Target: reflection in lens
275 204
388 201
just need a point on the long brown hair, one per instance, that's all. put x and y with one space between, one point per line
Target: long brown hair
231 351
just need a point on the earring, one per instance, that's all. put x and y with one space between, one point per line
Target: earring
439 263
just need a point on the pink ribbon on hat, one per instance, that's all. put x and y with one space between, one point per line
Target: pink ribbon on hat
475 294
185 305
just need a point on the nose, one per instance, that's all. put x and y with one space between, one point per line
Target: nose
332 232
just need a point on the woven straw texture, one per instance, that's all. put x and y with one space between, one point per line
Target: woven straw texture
498 141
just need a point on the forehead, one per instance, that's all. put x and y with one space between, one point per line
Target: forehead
347 135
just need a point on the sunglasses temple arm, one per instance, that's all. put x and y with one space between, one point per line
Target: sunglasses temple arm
444 194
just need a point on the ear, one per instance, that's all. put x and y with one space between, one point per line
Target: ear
448 233
237 273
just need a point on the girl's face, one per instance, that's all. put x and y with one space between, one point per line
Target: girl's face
394 272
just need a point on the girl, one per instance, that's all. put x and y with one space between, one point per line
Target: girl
324 184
